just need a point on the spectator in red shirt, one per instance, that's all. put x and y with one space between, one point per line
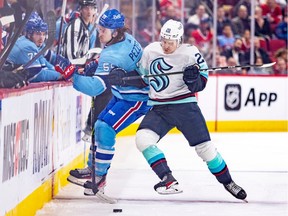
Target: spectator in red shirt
203 36
272 10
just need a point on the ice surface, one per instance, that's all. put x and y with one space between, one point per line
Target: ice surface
257 161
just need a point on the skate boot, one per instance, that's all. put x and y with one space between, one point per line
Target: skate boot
168 185
98 190
235 190
80 176
101 183
87 134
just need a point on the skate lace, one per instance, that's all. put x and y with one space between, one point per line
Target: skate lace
234 188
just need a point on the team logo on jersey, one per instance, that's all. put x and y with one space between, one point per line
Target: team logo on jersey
159 66
232 97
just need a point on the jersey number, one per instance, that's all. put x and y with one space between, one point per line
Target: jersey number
199 58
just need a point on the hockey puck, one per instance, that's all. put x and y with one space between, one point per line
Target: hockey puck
117 210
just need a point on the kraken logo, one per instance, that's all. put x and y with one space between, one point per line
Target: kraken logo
159 66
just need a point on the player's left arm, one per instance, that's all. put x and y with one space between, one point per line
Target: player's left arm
195 79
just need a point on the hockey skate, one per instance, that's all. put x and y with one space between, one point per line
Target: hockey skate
98 189
236 190
80 176
87 134
168 185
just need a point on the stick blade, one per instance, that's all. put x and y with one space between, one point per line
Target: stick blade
267 65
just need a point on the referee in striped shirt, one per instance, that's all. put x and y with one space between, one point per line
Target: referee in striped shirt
76 40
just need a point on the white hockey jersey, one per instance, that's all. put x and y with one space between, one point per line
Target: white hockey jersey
170 89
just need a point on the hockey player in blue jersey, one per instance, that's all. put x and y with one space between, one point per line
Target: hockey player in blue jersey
29 45
175 105
128 102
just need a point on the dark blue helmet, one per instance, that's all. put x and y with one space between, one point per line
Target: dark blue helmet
112 19
35 24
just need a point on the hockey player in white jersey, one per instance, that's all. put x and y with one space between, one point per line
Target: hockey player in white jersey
175 105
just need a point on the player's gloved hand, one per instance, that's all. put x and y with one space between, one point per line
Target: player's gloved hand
90 68
191 73
21 79
116 76
65 67
9 79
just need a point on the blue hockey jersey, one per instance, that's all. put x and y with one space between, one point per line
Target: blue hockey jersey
124 54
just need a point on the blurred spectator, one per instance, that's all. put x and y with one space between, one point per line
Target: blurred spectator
246 3
203 37
281 29
241 22
246 40
194 20
222 20
258 52
170 13
145 29
272 10
282 53
235 56
281 67
262 25
258 70
226 39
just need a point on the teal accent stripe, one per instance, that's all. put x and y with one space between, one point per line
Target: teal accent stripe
152 154
156 158
217 164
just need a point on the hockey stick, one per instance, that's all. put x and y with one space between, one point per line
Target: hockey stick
88 184
82 61
61 25
51 21
7 49
92 185
105 7
208 69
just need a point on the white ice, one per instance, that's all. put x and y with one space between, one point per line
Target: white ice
257 161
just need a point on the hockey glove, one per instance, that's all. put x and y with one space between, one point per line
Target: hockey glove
9 79
191 73
64 67
90 68
116 76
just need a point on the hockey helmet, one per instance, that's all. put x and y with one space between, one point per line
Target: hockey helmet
112 19
83 3
35 24
172 30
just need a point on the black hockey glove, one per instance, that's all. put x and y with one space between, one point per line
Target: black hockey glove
191 73
9 79
116 76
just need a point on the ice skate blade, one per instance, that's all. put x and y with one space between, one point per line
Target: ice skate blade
103 197
76 181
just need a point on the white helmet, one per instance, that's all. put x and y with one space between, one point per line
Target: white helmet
172 30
